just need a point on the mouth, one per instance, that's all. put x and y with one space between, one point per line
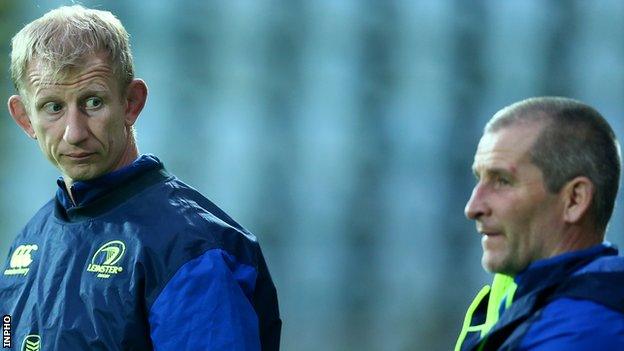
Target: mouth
487 230
79 156
490 233
491 239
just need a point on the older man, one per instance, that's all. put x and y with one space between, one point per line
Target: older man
547 174
126 256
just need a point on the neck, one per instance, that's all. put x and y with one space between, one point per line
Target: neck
68 188
130 154
578 237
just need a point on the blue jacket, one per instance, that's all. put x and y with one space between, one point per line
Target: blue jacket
142 262
574 301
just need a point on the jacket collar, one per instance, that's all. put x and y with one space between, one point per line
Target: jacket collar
85 192
544 272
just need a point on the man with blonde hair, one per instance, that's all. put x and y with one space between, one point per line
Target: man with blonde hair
125 256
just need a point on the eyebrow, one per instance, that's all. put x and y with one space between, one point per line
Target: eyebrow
52 92
496 171
42 97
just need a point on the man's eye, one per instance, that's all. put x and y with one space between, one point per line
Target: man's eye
52 107
93 103
502 181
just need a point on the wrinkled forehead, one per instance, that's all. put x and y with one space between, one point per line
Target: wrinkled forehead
42 73
511 143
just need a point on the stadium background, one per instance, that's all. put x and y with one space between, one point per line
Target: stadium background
342 134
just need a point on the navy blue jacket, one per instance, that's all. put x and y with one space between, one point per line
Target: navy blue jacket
570 302
142 262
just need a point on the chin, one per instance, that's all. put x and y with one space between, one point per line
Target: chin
82 174
492 264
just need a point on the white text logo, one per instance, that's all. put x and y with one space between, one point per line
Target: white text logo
105 259
21 259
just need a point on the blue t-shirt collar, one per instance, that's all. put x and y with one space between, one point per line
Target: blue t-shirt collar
85 192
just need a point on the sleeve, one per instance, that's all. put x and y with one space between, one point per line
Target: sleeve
207 306
575 325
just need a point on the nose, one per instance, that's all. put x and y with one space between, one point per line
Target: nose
477 206
76 127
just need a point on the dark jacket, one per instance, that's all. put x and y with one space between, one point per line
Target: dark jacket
142 262
568 302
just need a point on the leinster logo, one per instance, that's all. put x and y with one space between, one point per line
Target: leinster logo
31 343
21 259
104 261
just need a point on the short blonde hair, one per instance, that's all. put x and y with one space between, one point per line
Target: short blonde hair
62 38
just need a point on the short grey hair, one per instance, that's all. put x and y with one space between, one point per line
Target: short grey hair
64 37
575 140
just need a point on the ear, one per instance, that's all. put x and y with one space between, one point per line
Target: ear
578 195
135 100
18 111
